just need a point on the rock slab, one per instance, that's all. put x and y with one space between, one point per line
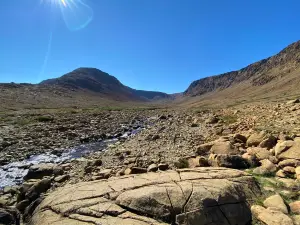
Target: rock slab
198 196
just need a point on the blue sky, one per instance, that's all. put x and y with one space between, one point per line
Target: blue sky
158 45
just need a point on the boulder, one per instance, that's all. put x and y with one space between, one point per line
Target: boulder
260 153
200 196
9 216
255 139
275 201
269 142
283 146
295 207
289 162
43 170
224 148
270 216
240 138
297 171
290 153
267 167
204 149
135 170
152 168
229 161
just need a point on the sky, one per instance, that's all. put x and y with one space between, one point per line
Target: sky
159 45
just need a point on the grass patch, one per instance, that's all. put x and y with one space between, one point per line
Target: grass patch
229 119
182 163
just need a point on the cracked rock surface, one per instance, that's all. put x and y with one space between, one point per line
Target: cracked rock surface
199 196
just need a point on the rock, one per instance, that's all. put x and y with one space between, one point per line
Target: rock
266 168
189 196
290 153
255 139
163 166
269 142
289 183
228 161
42 170
203 149
106 173
212 120
37 189
280 173
94 163
198 161
223 148
289 170
22 205
289 162
295 207
135 170
296 219
61 178
152 168
240 138
283 146
270 216
9 216
251 159
275 201
294 101
297 171
260 153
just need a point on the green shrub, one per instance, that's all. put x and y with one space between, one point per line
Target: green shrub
44 119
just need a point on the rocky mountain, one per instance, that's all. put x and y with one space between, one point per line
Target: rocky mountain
99 82
282 68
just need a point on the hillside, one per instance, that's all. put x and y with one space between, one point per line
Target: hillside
274 77
83 87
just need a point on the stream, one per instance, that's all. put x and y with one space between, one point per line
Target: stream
13 173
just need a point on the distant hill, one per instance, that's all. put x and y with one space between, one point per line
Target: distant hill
99 82
275 77
83 87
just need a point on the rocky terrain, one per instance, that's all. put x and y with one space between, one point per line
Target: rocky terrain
85 149
238 165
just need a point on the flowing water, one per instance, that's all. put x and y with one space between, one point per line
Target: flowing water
13 173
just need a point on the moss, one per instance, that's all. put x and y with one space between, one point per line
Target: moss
182 163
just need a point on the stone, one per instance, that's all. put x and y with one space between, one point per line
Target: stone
277 202
135 170
198 161
294 101
42 170
295 207
289 170
228 161
199 196
61 178
291 153
152 168
269 142
9 216
163 166
203 149
260 153
38 188
223 148
266 168
281 173
270 216
297 171
212 120
255 139
240 138
289 162
296 219
283 146
106 173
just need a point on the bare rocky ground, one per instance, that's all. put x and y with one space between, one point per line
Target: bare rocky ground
242 163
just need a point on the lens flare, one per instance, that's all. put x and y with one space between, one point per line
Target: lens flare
76 14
